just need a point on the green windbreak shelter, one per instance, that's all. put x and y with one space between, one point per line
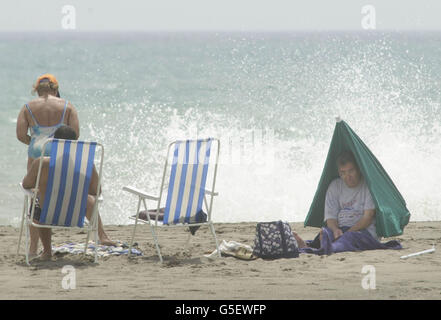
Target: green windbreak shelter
391 212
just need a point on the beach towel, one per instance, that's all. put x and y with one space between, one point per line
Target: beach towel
349 241
102 250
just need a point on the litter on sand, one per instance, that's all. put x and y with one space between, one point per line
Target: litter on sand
418 253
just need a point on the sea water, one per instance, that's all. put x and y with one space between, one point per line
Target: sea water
271 98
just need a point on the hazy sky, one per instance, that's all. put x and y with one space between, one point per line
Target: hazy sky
219 15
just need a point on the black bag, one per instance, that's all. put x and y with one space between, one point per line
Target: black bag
275 240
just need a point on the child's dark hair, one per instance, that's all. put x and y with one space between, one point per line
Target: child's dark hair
65 132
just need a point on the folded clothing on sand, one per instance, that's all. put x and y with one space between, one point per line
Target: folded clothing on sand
349 241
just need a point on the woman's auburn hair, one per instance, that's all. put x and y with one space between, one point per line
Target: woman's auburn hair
45 86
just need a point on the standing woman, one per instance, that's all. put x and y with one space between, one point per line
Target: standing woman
43 116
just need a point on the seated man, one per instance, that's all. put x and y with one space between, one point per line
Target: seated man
64 132
348 200
348 207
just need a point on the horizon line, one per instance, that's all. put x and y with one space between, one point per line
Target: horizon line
371 31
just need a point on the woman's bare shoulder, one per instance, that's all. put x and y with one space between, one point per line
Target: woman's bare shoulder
70 105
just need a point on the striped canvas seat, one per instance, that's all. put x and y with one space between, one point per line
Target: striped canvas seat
70 171
71 166
187 181
186 192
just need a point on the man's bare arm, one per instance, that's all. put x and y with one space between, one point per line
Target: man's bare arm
333 225
365 221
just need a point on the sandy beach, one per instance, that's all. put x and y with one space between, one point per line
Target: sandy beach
188 275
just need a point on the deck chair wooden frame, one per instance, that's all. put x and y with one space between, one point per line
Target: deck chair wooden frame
177 220
71 158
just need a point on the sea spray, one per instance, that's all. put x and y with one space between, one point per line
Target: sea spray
137 93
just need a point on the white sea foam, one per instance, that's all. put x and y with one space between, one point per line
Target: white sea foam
276 184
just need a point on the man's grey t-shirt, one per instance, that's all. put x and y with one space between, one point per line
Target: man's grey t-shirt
347 205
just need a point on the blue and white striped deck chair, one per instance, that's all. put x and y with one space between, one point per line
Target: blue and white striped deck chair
71 165
187 190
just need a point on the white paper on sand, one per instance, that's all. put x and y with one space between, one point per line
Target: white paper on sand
229 248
